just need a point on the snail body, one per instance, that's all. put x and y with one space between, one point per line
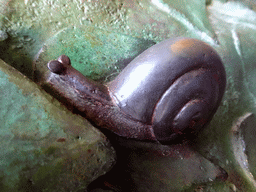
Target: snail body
170 90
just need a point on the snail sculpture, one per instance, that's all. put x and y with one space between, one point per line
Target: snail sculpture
168 92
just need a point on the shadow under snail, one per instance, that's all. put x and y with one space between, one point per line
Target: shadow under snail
169 91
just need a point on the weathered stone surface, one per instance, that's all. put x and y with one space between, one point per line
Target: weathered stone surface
243 146
44 147
151 167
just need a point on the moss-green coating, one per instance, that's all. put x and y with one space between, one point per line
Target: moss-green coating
39 146
38 20
97 54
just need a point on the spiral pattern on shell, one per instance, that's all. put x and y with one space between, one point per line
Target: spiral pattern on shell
176 86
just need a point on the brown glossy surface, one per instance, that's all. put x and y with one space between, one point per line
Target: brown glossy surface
169 91
174 85
91 100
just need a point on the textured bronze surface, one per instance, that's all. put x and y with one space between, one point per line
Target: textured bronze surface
169 91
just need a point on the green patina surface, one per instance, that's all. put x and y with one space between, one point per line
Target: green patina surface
44 147
97 54
100 37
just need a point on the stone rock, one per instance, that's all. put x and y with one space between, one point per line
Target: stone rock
44 147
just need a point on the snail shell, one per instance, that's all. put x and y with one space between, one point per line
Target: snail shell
169 91
176 86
